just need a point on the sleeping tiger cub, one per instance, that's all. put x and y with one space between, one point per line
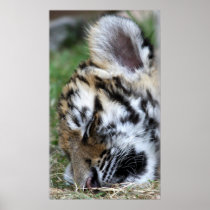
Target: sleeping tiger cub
109 112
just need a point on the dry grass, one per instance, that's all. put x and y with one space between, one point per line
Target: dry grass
59 190
117 192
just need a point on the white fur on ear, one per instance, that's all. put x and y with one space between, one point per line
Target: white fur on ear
117 43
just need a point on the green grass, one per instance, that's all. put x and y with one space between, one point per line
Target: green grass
62 65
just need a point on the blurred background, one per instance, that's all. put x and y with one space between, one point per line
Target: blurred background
68 47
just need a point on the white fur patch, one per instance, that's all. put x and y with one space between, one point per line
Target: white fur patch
68 176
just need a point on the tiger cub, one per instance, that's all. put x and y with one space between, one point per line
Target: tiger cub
109 112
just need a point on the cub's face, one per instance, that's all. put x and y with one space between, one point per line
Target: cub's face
109 111
96 161
84 159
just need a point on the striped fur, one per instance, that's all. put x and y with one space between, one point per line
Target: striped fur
109 111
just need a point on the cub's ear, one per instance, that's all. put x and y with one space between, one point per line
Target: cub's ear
117 42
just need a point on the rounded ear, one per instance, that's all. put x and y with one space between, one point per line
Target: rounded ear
118 42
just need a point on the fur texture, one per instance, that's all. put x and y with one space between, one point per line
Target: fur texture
109 111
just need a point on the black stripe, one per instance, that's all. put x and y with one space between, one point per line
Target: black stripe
153 124
100 121
98 106
134 117
112 133
153 137
144 102
104 160
118 83
110 169
93 64
71 105
124 119
111 125
103 163
115 96
83 113
72 79
75 120
81 78
114 165
143 105
146 43
85 138
151 99
119 98
98 79
83 65
61 115
86 135
103 153
133 164
100 84
70 93
107 167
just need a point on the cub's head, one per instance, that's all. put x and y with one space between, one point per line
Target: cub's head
97 159
108 119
